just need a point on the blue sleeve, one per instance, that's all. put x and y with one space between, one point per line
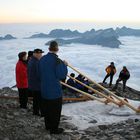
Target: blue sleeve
61 71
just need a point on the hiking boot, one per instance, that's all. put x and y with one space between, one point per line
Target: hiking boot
57 131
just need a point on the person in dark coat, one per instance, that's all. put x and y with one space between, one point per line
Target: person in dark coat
30 54
33 80
81 79
71 82
123 76
52 70
22 80
86 82
110 70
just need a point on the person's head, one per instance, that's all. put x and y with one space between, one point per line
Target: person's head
72 75
124 68
80 76
53 47
112 63
37 53
30 54
22 56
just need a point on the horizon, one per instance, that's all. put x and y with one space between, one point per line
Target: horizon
66 11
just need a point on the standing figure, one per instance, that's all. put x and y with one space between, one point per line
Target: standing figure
52 71
123 76
21 79
33 80
110 70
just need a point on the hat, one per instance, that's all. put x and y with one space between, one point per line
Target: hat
38 51
112 63
53 46
21 55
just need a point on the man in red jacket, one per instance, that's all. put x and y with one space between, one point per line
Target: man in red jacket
21 79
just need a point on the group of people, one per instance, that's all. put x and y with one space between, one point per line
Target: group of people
39 77
77 85
123 76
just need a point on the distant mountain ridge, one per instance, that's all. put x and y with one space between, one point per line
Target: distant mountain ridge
57 33
7 37
104 37
107 38
124 31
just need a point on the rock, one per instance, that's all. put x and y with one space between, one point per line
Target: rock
6 138
19 124
95 129
70 126
93 121
130 121
103 127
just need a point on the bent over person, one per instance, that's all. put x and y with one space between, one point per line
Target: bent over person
123 76
110 70
52 71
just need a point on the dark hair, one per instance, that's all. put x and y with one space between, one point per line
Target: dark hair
53 46
30 54
80 76
21 55
112 63
72 75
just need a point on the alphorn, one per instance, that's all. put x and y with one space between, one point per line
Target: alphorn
137 110
31 98
82 92
97 92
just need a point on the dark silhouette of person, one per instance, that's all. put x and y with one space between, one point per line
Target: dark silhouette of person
34 81
110 70
52 70
123 76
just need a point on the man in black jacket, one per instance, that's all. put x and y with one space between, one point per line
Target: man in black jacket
33 80
123 76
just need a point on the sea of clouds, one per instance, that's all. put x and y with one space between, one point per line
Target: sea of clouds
90 59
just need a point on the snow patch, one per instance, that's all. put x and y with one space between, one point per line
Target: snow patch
84 113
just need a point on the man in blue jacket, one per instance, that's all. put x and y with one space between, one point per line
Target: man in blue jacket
34 81
52 70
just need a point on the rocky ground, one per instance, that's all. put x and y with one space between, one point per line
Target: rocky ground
17 124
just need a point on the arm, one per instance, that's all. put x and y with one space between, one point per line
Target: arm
114 70
61 70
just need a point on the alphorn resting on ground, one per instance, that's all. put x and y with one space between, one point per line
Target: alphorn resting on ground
31 98
122 102
84 93
108 98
